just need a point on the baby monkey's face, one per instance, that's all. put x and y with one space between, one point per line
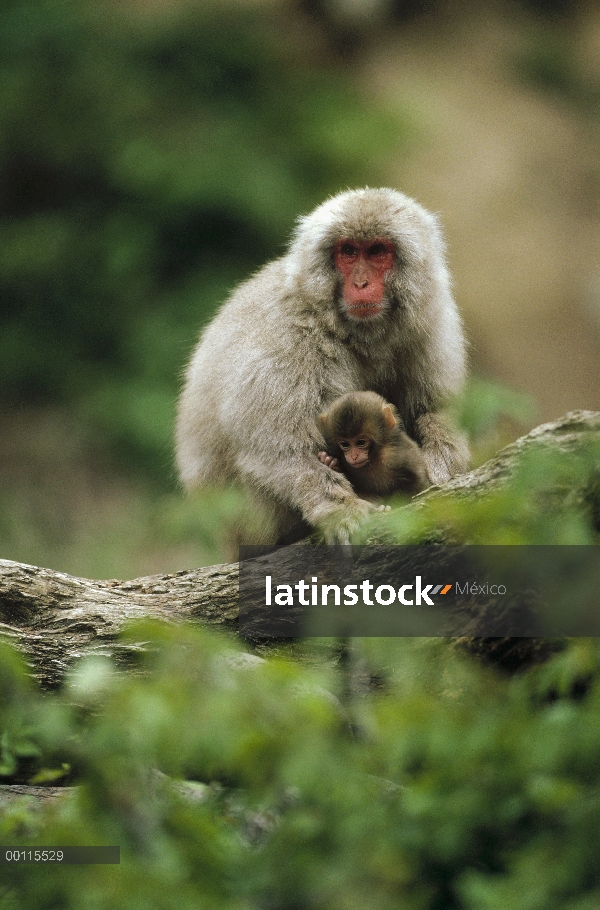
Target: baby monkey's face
356 450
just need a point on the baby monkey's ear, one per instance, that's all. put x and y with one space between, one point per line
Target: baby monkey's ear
388 416
323 420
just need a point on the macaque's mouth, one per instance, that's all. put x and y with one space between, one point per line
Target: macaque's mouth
364 310
359 464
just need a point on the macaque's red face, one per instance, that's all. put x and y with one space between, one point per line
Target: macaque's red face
356 450
364 267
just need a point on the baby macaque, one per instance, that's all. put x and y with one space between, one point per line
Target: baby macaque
367 442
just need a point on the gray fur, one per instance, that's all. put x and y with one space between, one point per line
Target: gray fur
282 348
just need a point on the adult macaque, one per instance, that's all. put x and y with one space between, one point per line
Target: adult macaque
361 301
366 441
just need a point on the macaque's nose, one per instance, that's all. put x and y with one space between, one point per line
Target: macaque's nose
361 277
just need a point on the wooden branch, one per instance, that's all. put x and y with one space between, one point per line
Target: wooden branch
55 618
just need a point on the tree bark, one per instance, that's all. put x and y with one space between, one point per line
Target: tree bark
55 618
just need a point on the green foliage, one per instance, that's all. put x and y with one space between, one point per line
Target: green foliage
149 160
463 789
491 414
485 402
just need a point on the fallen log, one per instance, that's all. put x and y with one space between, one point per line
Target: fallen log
55 618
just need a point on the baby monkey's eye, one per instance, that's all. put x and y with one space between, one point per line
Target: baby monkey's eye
362 443
344 445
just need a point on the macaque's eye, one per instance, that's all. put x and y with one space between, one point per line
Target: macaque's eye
378 249
362 442
347 249
344 446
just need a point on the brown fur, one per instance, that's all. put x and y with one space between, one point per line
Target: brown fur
395 460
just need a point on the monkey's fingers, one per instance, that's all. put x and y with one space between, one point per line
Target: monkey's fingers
330 462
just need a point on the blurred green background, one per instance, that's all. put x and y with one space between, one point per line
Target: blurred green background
154 153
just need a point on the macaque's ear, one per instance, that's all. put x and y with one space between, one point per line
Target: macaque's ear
388 417
323 420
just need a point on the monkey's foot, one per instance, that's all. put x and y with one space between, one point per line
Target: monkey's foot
330 462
